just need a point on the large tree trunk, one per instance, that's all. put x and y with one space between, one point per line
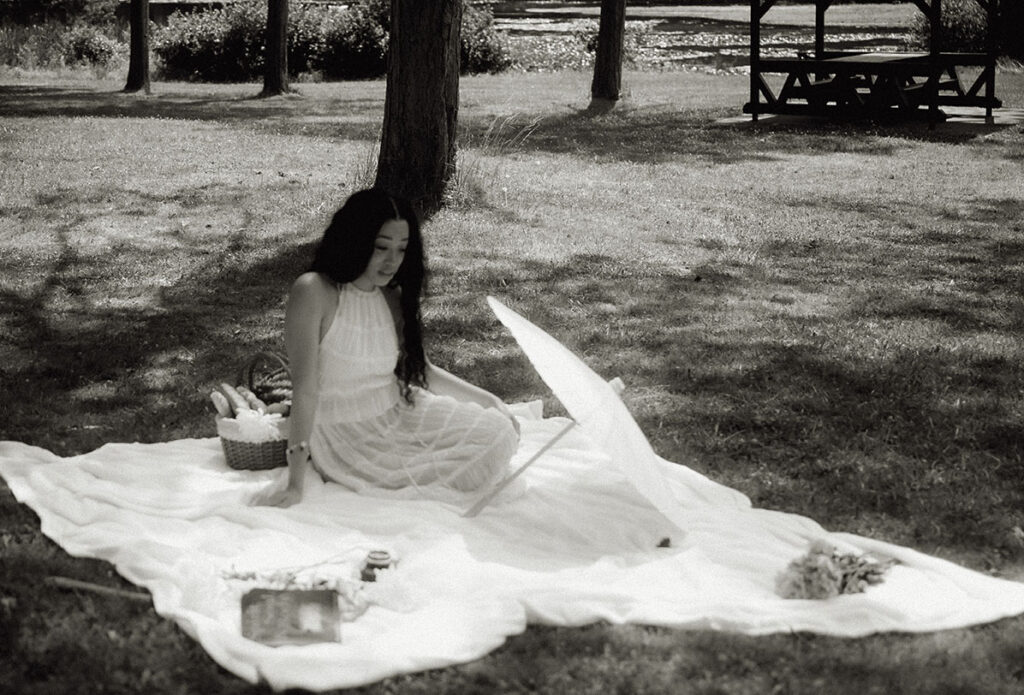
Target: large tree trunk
138 61
607 81
275 61
421 102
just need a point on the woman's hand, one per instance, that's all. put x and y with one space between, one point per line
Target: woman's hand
289 491
277 496
500 406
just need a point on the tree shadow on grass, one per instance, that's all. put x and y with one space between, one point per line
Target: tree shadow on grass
644 134
656 135
924 434
345 117
94 374
762 401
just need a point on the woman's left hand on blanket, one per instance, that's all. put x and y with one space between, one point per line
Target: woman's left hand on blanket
277 496
504 410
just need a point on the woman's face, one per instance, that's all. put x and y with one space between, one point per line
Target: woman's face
388 252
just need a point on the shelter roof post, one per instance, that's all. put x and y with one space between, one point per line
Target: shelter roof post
755 56
935 71
991 45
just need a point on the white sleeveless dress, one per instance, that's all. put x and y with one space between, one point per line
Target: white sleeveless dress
367 437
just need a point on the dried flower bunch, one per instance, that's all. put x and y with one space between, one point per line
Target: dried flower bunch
824 572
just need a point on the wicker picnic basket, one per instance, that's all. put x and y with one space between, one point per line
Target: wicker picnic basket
265 374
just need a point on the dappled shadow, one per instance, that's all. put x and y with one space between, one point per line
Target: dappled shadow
635 134
679 133
777 419
86 354
341 117
669 134
956 129
800 423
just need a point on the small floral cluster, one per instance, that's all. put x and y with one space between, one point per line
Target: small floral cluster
254 426
824 572
390 590
353 601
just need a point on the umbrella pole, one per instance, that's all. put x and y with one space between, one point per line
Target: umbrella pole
483 502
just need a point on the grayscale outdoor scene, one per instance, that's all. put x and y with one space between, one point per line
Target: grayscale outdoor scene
464 346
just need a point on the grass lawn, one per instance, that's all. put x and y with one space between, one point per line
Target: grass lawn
827 317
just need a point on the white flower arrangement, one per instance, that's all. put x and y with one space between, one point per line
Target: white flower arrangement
253 426
824 572
390 590
352 601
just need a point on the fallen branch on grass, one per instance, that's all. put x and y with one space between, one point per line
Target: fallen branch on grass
67 583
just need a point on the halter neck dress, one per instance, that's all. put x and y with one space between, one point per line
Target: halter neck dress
368 437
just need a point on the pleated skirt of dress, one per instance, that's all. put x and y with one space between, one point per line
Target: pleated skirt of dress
435 448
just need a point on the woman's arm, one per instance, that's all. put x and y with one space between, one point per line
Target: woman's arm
308 303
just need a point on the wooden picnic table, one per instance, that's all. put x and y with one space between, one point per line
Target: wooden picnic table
861 84
865 83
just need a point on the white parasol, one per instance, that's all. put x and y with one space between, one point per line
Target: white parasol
595 406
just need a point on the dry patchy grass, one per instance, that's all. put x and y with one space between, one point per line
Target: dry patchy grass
825 316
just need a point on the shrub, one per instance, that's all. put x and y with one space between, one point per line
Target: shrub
53 44
36 11
354 45
1011 38
87 44
220 45
305 39
26 12
227 44
30 47
631 39
483 48
965 28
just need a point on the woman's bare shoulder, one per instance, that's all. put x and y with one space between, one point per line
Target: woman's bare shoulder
313 284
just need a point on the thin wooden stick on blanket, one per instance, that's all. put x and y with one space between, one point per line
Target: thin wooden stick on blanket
76 584
485 500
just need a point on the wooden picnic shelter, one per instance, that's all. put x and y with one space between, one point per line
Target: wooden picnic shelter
845 84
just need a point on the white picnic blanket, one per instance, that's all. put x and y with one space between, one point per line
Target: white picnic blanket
579 546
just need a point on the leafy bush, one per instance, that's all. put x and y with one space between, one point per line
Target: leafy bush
30 47
305 39
227 44
355 45
631 39
89 45
53 44
1011 37
220 45
965 28
483 48
26 12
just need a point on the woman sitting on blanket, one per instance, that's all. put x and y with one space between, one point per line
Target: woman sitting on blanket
361 411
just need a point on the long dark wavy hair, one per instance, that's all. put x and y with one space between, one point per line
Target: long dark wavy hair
344 252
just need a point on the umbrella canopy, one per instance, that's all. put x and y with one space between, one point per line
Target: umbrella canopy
596 407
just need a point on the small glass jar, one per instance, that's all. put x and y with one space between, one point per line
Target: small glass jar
375 560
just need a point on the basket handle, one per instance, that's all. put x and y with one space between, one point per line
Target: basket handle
245 374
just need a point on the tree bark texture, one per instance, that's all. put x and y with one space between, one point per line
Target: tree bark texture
421 102
611 31
138 46
275 58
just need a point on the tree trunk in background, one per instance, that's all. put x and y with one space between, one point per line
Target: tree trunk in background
275 59
421 102
607 81
138 61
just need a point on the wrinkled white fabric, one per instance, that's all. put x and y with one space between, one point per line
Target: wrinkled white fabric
579 546
368 438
